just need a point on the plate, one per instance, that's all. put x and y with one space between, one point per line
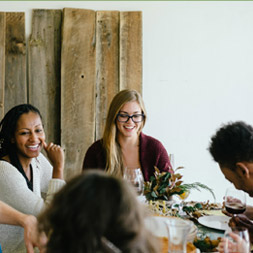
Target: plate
157 226
215 221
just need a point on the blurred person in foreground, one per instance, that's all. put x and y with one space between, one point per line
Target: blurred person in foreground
232 148
9 215
93 213
123 144
27 179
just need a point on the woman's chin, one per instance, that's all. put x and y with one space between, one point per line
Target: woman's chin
33 154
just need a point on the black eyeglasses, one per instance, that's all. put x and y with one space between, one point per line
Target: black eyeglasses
136 118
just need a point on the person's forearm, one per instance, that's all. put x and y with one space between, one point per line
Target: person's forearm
9 215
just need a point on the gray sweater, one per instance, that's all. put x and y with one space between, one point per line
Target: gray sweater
14 191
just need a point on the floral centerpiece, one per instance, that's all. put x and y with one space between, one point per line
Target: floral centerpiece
163 185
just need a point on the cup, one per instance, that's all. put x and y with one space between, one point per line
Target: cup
135 177
235 201
172 160
178 231
236 240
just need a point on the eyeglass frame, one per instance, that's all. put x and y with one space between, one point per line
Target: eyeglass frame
130 117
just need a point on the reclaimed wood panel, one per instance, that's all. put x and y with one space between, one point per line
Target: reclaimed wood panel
2 62
107 65
44 69
78 86
15 60
131 50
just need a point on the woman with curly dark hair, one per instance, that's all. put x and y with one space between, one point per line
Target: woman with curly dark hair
96 212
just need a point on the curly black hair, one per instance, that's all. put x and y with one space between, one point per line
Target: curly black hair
232 143
93 206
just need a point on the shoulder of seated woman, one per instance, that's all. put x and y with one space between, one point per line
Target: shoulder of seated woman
5 159
152 143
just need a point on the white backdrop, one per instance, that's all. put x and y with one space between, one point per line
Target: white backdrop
197 74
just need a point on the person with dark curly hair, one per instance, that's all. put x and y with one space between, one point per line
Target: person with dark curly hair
96 212
232 148
27 179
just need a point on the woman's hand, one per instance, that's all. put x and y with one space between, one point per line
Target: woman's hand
56 156
29 223
31 235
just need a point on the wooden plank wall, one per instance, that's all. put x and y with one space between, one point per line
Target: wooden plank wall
77 61
78 86
131 50
15 60
44 66
2 62
107 65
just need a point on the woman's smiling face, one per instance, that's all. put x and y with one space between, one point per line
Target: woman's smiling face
29 135
129 128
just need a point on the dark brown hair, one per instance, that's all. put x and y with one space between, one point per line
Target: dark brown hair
93 206
232 143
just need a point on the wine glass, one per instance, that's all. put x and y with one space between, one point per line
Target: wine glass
235 201
182 197
236 240
135 177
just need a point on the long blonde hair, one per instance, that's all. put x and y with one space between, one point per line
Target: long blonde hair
114 163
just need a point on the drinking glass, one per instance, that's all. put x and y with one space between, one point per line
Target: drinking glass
182 197
136 178
236 240
235 201
178 231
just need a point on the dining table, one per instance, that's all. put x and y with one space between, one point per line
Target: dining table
210 225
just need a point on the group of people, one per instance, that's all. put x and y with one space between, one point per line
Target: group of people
78 215
96 211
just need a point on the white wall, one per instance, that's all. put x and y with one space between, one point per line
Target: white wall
198 73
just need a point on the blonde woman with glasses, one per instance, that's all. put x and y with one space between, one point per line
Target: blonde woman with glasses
123 144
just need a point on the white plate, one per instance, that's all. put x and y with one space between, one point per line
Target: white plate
156 225
215 221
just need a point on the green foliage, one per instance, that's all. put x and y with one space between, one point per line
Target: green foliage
163 185
197 186
191 209
203 245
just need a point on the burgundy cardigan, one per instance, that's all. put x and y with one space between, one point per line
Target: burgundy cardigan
152 153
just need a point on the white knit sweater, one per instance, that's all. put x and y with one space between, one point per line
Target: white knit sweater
15 192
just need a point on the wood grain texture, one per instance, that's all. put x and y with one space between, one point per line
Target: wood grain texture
131 50
107 64
78 86
44 71
15 60
2 62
